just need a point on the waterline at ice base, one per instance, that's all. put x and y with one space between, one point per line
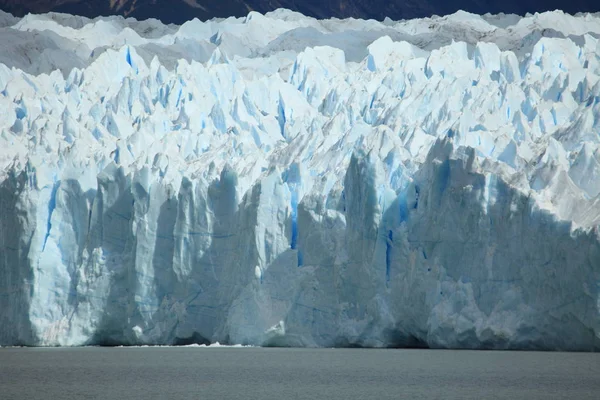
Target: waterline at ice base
278 180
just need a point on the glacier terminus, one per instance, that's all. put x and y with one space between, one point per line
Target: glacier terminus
280 180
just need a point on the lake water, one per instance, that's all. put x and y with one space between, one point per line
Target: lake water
270 373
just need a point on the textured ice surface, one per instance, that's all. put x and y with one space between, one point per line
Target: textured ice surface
279 180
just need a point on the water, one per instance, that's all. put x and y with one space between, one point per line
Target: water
267 373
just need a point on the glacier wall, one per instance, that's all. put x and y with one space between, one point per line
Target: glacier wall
280 180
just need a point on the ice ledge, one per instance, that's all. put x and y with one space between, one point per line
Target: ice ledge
408 189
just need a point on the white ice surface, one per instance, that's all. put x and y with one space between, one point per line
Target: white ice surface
280 180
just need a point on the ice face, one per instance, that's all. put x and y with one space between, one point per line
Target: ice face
422 183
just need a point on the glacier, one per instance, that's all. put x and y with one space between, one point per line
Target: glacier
279 180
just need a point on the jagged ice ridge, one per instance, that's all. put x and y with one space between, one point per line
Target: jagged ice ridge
281 180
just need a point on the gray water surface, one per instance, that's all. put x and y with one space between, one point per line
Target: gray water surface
268 373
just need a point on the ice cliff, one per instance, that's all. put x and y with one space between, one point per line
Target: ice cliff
281 180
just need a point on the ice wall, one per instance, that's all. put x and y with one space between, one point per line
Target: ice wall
211 182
